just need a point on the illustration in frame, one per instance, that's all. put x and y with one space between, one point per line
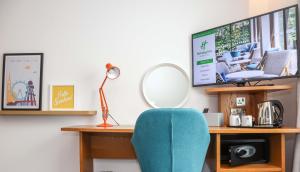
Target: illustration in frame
22 81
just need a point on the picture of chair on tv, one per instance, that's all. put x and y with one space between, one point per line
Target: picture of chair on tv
261 47
257 48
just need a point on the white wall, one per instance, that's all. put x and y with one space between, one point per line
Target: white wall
78 38
257 7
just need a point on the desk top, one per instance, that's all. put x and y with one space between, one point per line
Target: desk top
212 130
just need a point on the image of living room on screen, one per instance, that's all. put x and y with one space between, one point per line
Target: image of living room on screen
258 48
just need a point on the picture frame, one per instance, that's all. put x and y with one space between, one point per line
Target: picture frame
62 97
22 78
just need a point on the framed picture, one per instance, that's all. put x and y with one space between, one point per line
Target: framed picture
62 97
22 81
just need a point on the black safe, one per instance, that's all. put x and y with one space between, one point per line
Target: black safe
244 151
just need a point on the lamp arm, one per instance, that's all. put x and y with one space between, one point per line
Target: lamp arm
102 98
102 101
103 82
105 102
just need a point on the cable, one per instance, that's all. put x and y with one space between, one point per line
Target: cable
114 119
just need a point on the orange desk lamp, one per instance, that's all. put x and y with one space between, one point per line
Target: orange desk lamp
112 72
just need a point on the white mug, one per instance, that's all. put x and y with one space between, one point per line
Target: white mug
235 120
247 121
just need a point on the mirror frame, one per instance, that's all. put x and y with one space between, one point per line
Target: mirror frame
149 71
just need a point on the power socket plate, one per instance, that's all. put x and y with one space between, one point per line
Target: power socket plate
240 101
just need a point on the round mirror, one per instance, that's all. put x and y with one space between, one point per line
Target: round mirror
166 85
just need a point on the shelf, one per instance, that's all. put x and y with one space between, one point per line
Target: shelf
46 113
94 129
248 89
233 130
250 168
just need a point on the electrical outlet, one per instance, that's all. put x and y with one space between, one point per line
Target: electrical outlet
240 101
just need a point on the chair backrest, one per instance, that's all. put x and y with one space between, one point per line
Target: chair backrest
276 62
261 64
171 140
222 68
253 45
247 47
255 56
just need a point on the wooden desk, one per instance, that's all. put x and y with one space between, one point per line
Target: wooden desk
114 143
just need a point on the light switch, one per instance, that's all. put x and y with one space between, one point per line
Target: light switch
240 101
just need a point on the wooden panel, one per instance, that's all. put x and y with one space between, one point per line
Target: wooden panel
250 168
47 113
283 164
112 146
210 158
86 160
248 89
228 101
213 130
218 152
224 106
277 150
256 98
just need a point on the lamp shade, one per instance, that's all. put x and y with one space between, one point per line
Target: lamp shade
112 72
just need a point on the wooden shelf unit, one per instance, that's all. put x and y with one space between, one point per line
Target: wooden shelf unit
254 95
46 113
248 89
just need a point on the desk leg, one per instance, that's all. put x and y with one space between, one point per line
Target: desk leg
86 160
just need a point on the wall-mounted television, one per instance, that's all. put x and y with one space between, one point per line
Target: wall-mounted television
264 47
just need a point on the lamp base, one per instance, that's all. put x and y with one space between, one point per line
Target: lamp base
104 125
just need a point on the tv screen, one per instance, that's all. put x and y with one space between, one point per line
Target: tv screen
259 48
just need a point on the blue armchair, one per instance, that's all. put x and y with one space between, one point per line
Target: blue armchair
171 140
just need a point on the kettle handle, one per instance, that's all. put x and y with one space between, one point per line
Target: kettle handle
278 117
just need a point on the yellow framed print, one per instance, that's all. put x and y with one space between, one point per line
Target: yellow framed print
62 97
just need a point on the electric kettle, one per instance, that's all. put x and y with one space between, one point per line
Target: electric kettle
270 114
